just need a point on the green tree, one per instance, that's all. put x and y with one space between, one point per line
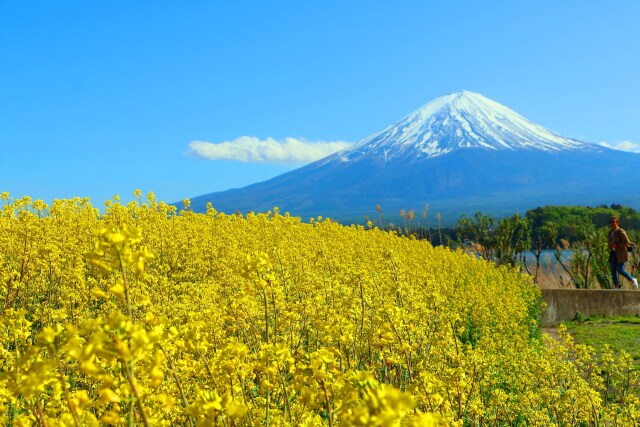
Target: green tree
511 238
542 238
477 232
588 263
501 241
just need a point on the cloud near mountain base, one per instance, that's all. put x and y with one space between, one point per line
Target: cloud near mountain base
254 150
623 146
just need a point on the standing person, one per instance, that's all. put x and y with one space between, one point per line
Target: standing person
618 244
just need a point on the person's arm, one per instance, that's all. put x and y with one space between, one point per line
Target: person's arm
624 239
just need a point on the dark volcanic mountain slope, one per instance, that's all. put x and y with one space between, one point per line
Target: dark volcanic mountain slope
459 153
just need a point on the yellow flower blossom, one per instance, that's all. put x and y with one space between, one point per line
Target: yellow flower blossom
146 315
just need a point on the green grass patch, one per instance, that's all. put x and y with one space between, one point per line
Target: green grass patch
620 333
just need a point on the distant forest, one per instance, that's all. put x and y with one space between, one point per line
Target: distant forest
567 220
570 218
521 240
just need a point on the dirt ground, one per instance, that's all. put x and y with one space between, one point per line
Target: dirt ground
552 333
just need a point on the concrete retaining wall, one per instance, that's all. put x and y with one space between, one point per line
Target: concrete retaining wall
564 304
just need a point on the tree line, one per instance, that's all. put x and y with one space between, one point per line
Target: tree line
575 235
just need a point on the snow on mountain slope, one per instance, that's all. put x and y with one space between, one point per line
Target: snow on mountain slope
459 154
457 121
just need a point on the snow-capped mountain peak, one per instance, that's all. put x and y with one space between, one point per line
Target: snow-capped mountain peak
457 121
458 154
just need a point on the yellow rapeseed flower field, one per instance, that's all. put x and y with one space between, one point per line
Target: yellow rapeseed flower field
145 315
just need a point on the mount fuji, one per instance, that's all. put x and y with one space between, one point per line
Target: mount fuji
460 153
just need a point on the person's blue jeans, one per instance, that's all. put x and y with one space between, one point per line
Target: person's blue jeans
617 268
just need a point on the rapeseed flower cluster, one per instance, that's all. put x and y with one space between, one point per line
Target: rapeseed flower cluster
146 315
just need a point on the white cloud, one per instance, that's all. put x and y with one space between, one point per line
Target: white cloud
253 150
623 146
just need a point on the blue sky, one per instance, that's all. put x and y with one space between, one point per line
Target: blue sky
101 98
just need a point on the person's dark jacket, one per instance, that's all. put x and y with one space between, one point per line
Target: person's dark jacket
621 242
